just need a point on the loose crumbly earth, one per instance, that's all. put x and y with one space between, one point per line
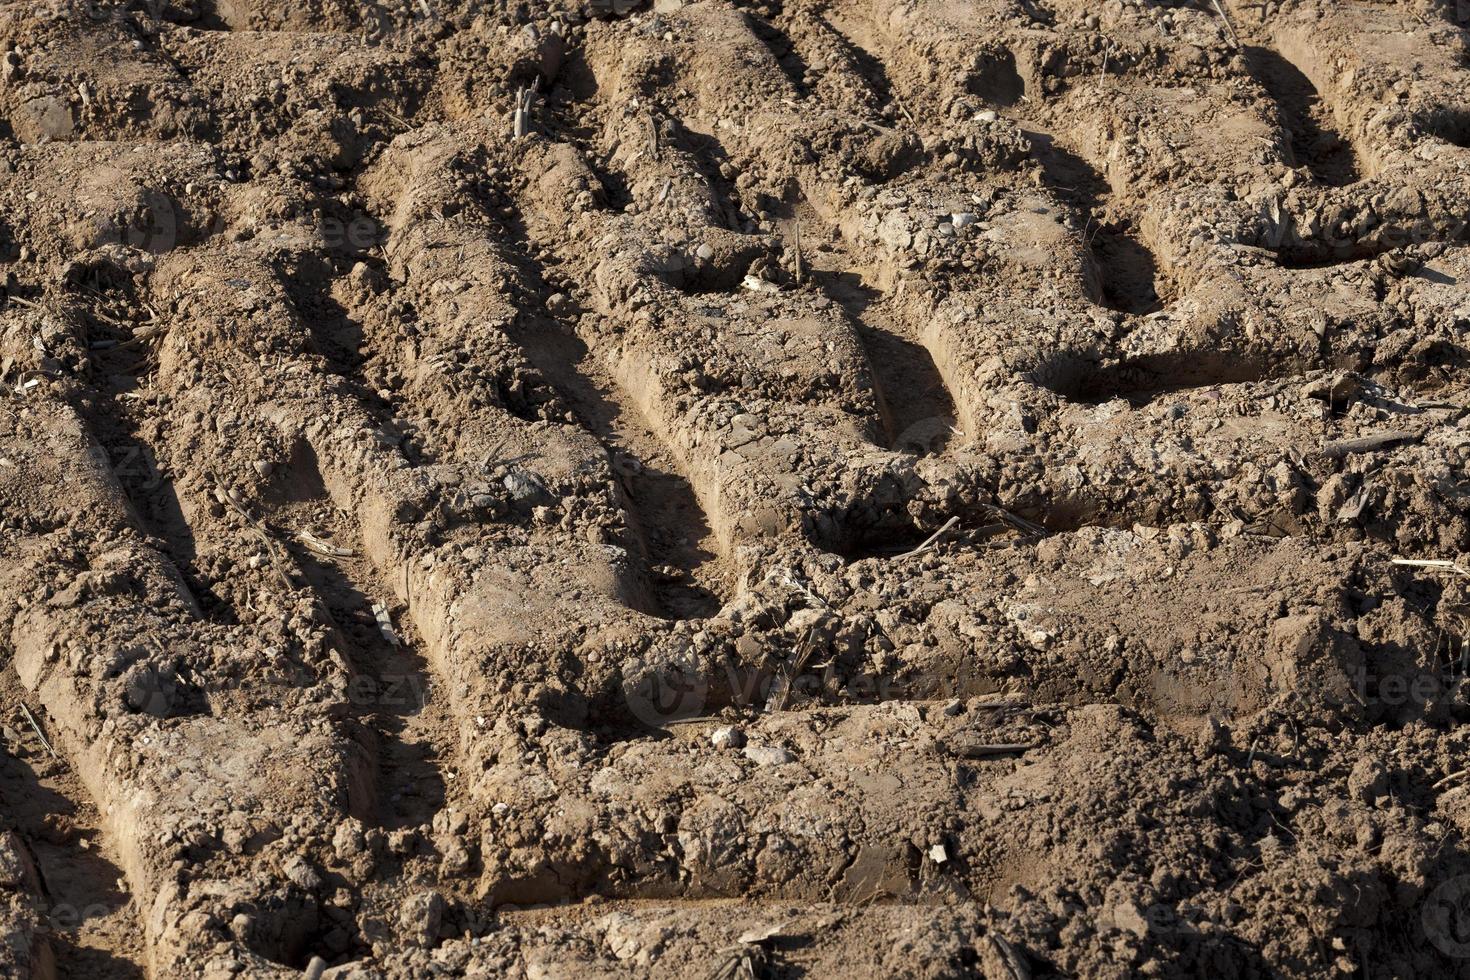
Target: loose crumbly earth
856 488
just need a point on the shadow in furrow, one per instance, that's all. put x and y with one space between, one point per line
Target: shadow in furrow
91 924
865 62
1315 143
664 509
154 497
392 691
787 58
687 577
1450 125
1141 380
1128 274
918 412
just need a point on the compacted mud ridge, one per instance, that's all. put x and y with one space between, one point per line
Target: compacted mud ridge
734 488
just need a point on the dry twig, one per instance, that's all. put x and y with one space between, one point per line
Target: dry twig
37 727
1435 564
1452 777
797 234
1220 9
781 689
1012 957
524 99
316 544
743 962
932 539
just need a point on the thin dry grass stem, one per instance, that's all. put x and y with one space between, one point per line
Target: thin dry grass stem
1433 564
36 726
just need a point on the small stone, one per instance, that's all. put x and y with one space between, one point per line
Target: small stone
704 252
526 487
264 467
456 861
420 917
348 841
302 873
727 737
938 854
622 936
49 116
894 230
963 219
767 755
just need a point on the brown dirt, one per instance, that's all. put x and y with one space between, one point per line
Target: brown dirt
857 488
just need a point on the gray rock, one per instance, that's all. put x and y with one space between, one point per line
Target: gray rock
50 116
894 231
348 841
420 917
526 487
302 873
767 755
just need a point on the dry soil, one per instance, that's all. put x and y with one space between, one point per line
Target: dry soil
735 488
